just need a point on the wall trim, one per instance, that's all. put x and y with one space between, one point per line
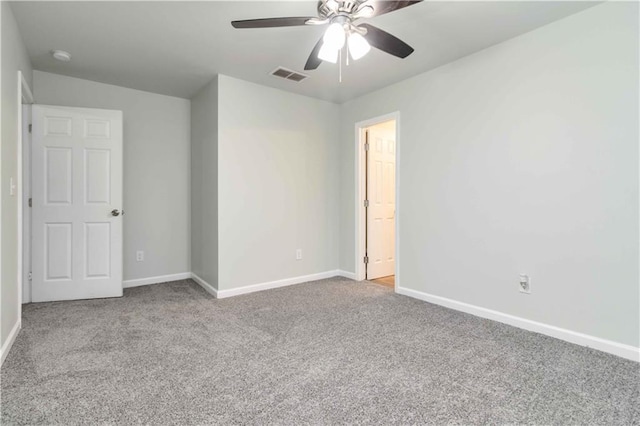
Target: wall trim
4 351
156 280
207 287
347 274
615 348
276 284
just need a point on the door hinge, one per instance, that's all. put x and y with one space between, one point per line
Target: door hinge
366 259
30 202
366 146
366 203
30 127
30 276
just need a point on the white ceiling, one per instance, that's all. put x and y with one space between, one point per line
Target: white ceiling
175 48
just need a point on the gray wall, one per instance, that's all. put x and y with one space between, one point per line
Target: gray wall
156 168
521 158
14 58
278 183
204 183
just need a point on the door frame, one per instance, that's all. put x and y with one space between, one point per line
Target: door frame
25 97
360 180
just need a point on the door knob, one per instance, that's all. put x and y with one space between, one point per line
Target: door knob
115 212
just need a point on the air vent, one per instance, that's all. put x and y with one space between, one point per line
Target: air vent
288 74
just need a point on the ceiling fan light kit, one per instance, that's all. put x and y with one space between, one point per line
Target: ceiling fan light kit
341 16
341 30
328 54
335 36
358 46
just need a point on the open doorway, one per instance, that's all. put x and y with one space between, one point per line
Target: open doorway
25 96
377 143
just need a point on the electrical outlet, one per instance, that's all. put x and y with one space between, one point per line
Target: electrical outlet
525 284
299 254
140 256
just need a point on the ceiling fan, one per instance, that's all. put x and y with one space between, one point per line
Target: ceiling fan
341 15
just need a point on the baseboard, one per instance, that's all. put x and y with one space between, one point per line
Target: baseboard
619 349
276 284
156 280
202 283
4 351
346 274
221 294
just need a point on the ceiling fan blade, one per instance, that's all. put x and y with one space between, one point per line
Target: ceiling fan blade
272 22
380 7
386 42
314 62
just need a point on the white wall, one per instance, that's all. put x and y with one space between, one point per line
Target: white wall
14 58
278 183
156 168
204 183
521 158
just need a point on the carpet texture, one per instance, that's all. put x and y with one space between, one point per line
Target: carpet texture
329 352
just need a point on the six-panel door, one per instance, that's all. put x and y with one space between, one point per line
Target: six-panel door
382 202
76 191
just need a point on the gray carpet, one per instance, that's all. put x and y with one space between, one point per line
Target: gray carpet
329 352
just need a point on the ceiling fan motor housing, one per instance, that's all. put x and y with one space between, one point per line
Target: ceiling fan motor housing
330 8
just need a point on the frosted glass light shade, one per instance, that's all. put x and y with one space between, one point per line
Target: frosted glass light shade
358 46
328 53
334 37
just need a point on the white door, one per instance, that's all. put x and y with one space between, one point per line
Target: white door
381 195
77 203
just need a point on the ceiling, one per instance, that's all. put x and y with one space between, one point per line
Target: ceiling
176 47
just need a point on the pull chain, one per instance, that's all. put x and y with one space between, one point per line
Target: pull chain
346 46
340 66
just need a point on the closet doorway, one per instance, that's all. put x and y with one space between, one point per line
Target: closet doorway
377 176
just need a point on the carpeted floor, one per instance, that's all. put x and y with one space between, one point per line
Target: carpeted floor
328 352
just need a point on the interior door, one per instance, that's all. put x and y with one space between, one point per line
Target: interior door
77 202
381 173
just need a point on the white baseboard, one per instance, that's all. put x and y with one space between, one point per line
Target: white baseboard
4 351
156 280
208 287
221 294
276 284
619 349
346 274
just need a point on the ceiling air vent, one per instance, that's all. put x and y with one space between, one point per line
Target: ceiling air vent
288 74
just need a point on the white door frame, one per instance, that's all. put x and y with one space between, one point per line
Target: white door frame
25 96
360 194
25 235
